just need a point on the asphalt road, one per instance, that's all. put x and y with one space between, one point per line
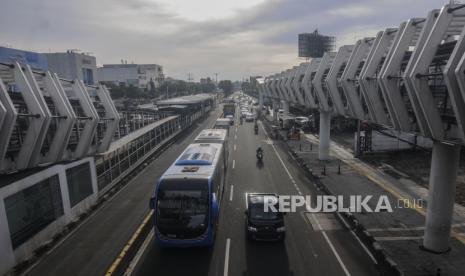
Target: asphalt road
95 244
312 247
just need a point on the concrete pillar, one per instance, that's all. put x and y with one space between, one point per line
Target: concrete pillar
285 108
325 128
441 194
275 110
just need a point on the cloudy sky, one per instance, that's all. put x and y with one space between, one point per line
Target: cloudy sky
235 38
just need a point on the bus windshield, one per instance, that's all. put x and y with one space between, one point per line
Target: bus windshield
182 208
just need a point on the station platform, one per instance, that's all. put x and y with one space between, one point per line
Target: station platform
94 244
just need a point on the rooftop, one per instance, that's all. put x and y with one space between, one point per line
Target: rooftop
191 99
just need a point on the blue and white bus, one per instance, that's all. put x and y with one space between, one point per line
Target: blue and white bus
188 197
211 135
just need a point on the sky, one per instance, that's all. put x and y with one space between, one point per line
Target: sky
234 38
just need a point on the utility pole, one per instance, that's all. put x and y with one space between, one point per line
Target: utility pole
166 90
190 78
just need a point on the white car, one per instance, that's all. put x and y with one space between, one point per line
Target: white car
301 121
249 117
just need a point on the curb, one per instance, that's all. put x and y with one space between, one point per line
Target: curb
128 255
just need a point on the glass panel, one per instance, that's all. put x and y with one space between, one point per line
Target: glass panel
32 209
79 183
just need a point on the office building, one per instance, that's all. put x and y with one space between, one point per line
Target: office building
143 76
74 65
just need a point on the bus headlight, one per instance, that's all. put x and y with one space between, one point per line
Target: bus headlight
252 229
281 229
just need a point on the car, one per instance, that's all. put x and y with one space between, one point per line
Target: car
301 121
249 117
262 225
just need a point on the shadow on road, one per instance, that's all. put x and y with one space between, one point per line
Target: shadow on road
266 258
178 261
259 164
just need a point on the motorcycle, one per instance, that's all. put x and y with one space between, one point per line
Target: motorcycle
260 155
256 130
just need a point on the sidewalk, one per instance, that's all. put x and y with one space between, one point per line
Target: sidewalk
398 235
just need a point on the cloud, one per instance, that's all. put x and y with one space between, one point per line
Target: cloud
232 38
352 11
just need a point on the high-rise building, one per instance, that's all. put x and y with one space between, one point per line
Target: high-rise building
314 45
205 80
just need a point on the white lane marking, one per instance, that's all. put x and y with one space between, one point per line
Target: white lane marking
318 223
232 193
139 253
331 246
226 257
284 165
234 163
357 238
235 147
398 238
235 136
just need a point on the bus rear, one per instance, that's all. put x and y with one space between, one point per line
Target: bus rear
229 109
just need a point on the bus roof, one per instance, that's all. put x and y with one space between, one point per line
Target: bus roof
212 134
196 160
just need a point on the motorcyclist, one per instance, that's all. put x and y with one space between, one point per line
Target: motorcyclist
259 150
256 128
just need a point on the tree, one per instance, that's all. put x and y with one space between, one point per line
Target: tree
121 91
250 87
227 87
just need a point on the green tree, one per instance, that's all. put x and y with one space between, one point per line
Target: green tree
121 91
227 87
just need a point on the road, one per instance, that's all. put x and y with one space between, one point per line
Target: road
318 245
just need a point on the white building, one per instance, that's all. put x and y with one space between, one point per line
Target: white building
72 65
137 75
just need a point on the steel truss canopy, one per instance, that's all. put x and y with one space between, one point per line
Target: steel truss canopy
45 119
410 78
